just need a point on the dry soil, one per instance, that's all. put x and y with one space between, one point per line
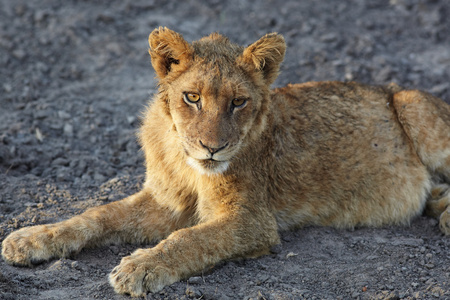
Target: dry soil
75 76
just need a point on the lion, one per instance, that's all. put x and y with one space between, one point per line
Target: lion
230 163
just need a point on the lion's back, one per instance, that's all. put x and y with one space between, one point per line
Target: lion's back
352 162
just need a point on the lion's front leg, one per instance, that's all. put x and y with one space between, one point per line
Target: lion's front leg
189 251
136 219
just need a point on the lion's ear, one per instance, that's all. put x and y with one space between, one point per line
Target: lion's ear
266 55
168 50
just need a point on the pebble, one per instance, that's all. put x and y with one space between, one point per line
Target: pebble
195 280
131 119
329 37
440 88
63 115
63 174
193 292
57 265
60 161
68 129
75 265
7 87
41 114
19 54
383 75
291 254
40 15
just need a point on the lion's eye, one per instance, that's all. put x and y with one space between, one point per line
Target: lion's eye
237 102
191 97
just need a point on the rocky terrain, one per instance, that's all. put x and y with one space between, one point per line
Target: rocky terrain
75 77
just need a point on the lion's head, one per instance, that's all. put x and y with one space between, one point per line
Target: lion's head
216 92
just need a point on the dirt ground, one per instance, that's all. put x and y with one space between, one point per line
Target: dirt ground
75 76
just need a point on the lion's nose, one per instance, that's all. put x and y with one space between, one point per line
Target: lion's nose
213 150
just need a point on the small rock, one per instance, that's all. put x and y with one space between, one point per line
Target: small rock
57 265
131 119
60 162
329 37
63 115
41 114
63 174
383 75
430 281
99 177
7 87
262 278
195 280
440 88
19 54
291 254
39 135
105 18
40 15
68 129
193 293
75 265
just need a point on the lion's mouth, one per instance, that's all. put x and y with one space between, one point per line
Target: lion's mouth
208 166
210 163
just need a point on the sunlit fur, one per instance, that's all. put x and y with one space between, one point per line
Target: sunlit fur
217 168
319 153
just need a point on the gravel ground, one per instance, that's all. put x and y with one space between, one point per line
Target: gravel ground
74 79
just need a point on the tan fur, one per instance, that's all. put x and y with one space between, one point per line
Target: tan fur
223 179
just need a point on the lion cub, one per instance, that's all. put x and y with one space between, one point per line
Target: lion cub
230 162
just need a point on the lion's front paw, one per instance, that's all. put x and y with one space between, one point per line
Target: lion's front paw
27 246
139 273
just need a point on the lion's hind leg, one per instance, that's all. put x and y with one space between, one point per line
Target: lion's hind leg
426 121
438 206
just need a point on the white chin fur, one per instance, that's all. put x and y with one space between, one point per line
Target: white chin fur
196 165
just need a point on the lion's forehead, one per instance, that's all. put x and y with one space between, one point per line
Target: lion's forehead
208 81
